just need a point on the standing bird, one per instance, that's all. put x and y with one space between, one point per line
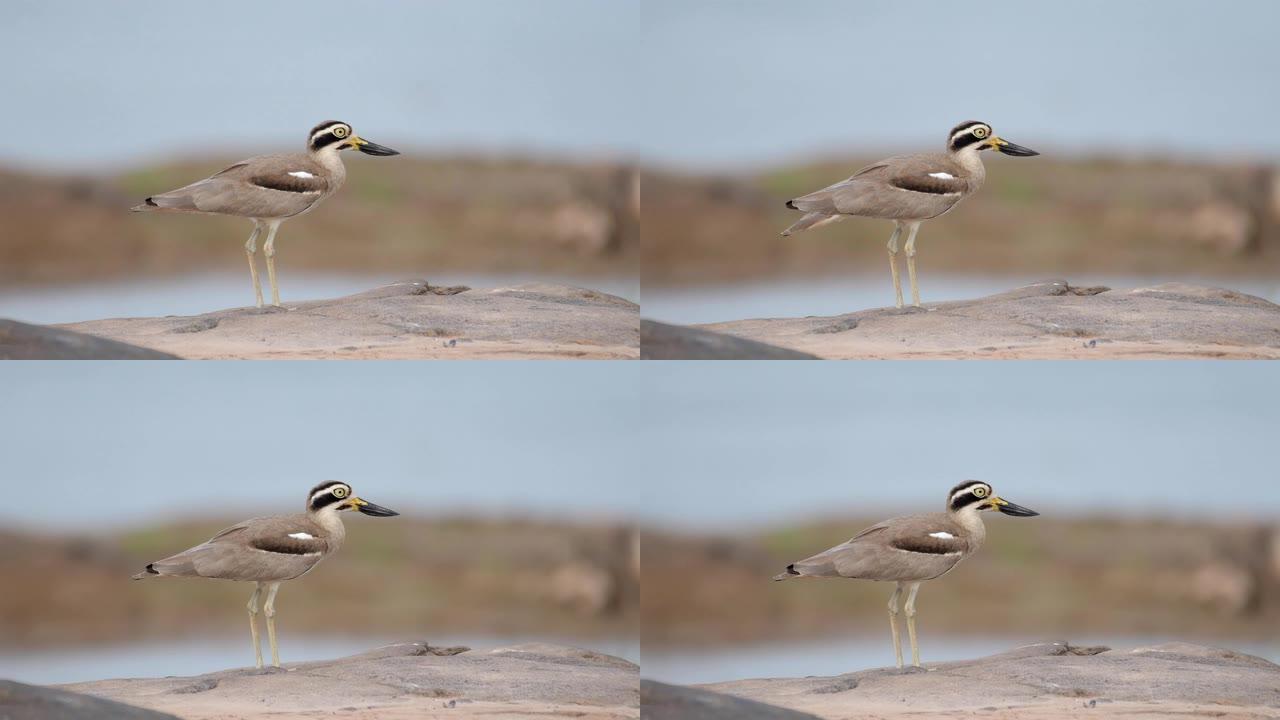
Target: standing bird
908 189
269 189
911 549
270 550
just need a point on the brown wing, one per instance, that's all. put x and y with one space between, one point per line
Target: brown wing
302 182
930 183
260 187
930 544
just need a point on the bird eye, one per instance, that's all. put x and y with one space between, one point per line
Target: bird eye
339 492
341 132
979 491
978 132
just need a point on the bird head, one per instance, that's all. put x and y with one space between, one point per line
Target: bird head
976 136
975 495
335 496
333 135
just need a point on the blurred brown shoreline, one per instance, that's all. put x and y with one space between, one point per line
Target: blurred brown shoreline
412 577
1044 216
1047 577
413 215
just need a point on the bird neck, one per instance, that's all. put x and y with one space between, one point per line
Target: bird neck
330 521
968 158
329 158
970 518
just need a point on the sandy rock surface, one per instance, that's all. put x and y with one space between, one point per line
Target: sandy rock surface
400 682
1050 680
1045 320
403 320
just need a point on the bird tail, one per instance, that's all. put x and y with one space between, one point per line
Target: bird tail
810 220
790 573
149 572
146 206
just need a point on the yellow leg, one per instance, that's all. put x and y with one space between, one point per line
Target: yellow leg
893 264
910 248
269 248
893 624
253 624
911 624
251 250
270 609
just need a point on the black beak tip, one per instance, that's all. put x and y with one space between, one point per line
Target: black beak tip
1017 150
377 511
370 148
1017 511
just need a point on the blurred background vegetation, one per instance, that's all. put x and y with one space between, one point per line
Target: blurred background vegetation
411 579
1044 217
409 216
1044 577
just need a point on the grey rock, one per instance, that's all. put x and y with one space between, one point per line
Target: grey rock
659 701
532 676
409 319
1046 320
659 341
1041 675
31 702
22 341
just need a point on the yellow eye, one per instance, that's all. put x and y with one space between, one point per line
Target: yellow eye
339 492
341 132
978 132
979 491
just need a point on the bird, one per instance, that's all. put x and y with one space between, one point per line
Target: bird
269 551
910 550
269 189
908 189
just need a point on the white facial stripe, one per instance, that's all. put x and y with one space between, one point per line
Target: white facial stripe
940 535
939 175
301 174
328 130
968 489
301 536
328 489
968 130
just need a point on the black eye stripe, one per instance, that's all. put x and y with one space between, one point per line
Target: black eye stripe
324 141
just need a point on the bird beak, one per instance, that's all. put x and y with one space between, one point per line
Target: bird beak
369 508
1009 508
371 148
1009 148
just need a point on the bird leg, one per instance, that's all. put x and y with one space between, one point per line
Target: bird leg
269 249
893 267
893 623
270 609
253 624
911 623
910 248
251 249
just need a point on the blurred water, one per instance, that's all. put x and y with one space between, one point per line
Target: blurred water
199 656
834 296
801 659
196 294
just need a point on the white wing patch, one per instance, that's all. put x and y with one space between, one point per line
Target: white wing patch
939 175
301 536
940 535
302 174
